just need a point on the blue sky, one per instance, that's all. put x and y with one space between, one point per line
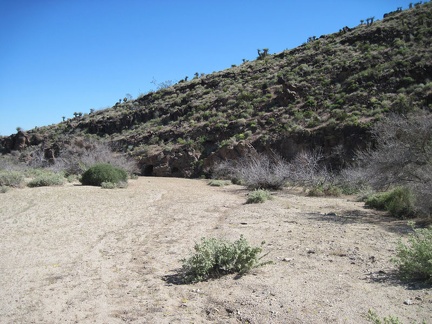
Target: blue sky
58 57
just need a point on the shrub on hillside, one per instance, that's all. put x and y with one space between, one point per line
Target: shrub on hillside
11 179
214 258
399 202
103 172
414 259
47 179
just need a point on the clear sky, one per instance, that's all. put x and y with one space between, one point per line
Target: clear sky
58 57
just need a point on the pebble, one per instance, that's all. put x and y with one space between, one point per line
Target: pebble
408 302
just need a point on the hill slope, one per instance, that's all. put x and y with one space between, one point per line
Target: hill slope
325 93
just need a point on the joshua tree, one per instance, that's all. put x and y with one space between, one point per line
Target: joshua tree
263 54
361 22
186 77
92 111
196 75
63 117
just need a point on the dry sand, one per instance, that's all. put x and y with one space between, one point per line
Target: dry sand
78 254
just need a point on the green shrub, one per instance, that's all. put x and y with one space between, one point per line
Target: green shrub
11 179
414 259
219 183
99 173
47 179
373 317
399 202
214 258
258 196
4 189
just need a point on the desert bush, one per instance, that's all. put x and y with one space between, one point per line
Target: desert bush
11 179
214 258
325 190
4 189
373 317
218 183
261 171
258 196
398 201
258 171
108 185
9 162
352 180
103 172
402 156
414 259
306 170
47 179
78 156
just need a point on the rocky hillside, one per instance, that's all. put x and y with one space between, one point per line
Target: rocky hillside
325 93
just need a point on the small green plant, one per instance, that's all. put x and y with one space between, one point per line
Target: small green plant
11 179
47 179
414 259
4 189
373 317
258 196
399 202
214 258
99 173
219 183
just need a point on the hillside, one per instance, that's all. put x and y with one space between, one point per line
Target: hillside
325 93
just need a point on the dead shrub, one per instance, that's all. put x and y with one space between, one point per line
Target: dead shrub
402 157
81 154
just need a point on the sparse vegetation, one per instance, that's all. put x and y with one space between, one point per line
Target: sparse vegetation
373 317
214 258
100 173
414 258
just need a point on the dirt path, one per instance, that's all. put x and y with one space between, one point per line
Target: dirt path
79 254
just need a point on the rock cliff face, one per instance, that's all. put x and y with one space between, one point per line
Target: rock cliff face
323 94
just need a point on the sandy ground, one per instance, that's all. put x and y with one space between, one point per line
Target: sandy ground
78 254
